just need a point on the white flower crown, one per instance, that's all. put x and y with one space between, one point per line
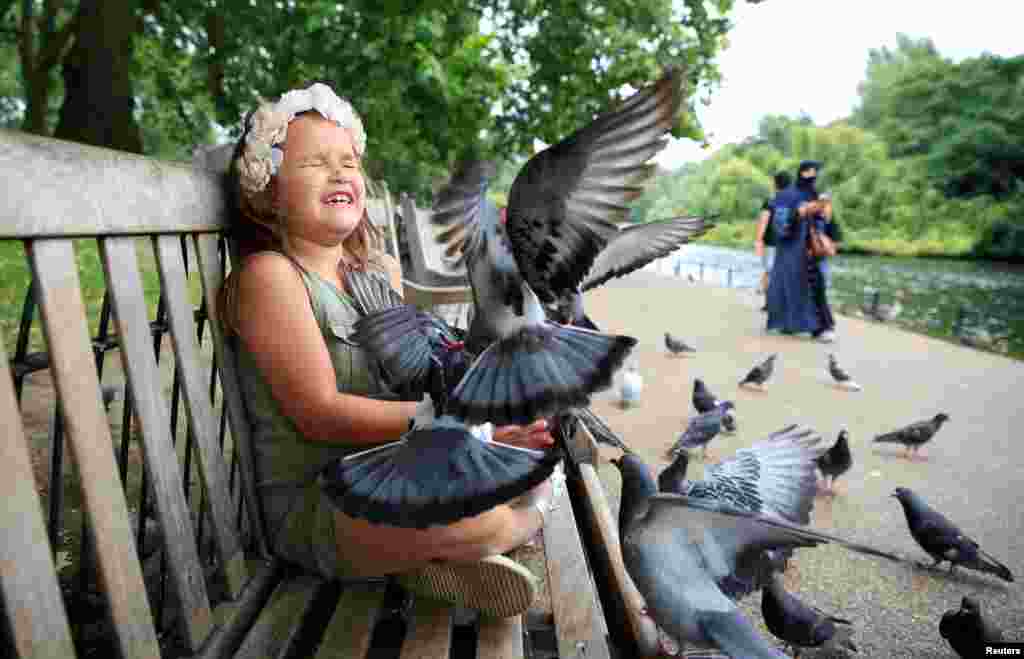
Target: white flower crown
268 126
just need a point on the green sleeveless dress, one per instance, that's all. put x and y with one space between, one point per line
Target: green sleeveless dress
299 517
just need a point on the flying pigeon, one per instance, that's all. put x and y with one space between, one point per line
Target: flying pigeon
966 630
703 399
915 435
942 540
678 346
632 385
439 472
701 430
800 625
836 461
630 249
678 549
759 375
561 214
842 379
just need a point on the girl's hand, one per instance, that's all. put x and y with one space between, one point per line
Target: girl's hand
533 436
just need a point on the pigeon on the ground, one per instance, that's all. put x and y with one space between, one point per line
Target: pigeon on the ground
915 435
836 461
800 625
678 346
703 399
842 379
678 549
562 209
966 630
632 385
599 429
729 423
759 375
942 540
701 430
632 248
883 312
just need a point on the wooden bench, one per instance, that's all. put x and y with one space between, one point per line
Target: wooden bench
233 598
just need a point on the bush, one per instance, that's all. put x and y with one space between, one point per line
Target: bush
1002 240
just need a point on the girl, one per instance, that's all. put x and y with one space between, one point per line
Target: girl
311 396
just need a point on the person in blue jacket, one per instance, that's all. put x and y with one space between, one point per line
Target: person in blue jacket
796 284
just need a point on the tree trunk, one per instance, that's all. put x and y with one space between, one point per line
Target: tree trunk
98 104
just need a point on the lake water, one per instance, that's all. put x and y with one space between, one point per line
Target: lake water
975 302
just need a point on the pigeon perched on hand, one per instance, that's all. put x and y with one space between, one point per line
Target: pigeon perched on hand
678 346
701 430
836 461
842 379
678 549
632 385
799 625
915 435
966 630
759 375
942 540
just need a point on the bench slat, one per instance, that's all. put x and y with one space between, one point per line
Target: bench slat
274 632
429 635
28 580
349 632
213 469
125 284
69 189
501 638
212 278
78 389
579 625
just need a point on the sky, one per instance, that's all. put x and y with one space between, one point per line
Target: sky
763 44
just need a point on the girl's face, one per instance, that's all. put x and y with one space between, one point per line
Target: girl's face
320 185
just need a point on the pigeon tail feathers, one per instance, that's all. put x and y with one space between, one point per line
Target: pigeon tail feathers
732 632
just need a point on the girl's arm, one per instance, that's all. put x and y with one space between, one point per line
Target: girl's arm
277 326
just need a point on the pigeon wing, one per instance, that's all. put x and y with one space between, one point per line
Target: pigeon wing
565 201
460 211
636 246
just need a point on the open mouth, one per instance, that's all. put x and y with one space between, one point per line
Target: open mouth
340 199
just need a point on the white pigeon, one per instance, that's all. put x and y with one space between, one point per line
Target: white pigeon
632 385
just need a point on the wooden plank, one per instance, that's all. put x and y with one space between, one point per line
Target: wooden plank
212 467
28 578
579 624
235 618
604 530
54 187
121 265
349 632
212 278
274 632
85 422
501 638
426 297
429 635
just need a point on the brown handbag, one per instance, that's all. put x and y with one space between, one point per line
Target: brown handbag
818 244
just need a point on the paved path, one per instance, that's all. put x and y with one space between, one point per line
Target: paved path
973 473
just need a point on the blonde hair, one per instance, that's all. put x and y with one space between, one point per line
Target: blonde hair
256 225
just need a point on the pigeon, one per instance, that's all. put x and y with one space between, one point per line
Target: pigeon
884 312
842 379
562 209
630 249
759 375
800 625
966 630
915 435
701 430
438 473
703 399
632 385
678 346
729 423
677 549
942 540
836 461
